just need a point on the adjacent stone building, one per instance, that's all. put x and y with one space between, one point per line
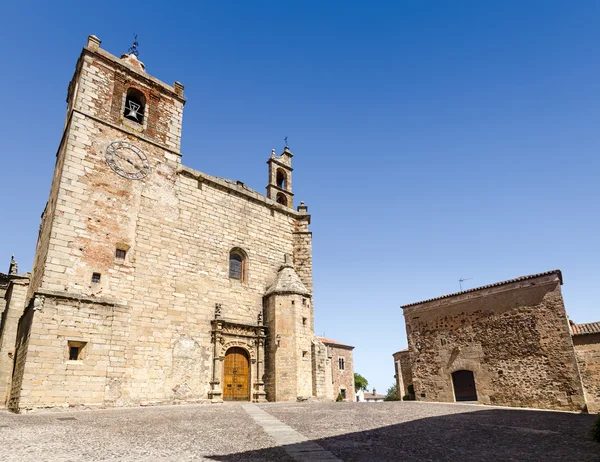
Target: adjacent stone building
403 374
153 282
342 368
586 341
508 343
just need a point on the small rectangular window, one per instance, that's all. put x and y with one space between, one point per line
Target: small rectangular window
75 350
120 254
341 364
305 354
304 321
343 393
95 277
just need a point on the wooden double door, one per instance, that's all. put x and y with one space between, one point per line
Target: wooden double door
236 375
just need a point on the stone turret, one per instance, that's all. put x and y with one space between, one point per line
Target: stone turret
288 317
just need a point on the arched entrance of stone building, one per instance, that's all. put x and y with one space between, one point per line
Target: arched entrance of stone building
236 375
464 386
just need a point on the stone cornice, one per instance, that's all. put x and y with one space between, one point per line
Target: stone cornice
78 297
147 78
124 129
241 190
550 277
275 160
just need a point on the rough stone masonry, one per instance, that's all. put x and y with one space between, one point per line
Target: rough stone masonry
153 282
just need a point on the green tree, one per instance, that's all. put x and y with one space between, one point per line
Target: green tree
360 383
392 394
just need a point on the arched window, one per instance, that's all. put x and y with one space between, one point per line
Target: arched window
237 265
281 199
135 105
281 179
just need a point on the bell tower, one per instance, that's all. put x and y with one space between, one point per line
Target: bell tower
121 141
280 178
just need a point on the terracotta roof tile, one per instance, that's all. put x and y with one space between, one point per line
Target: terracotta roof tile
585 329
333 342
374 396
521 278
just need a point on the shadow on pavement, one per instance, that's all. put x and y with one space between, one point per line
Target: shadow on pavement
480 435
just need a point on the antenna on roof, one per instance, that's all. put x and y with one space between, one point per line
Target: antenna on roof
461 280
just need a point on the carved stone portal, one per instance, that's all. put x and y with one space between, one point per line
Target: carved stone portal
226 335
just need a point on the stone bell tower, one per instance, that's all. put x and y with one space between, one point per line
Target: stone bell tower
121 139
280 178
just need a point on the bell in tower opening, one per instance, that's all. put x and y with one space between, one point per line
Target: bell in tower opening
135 105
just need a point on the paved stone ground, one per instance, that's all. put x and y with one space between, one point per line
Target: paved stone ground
304 431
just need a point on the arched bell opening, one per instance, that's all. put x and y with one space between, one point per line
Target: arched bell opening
281 199
135 106
281 179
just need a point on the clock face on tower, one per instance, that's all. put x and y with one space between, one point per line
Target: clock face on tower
127 160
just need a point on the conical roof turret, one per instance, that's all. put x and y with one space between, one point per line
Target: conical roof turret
287 281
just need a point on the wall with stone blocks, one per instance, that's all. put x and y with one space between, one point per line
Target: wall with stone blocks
178 227
342 378
587 349
514 337
403 372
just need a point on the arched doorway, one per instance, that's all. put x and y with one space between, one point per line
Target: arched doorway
464 386
236 375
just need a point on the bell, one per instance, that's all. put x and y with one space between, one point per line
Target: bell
132 113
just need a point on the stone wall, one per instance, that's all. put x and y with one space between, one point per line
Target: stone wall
514 336
587 349
403 372
177 226
15 299
342 379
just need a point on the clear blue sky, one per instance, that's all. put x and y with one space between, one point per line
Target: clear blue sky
432 140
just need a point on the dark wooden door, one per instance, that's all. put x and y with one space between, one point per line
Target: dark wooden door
464 386
236 375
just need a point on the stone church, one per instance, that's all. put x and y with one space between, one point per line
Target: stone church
508 343
153 282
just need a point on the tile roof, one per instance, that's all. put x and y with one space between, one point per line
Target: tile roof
374 396
333 342
520 278
585 329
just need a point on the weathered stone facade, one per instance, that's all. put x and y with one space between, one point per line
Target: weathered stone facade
148 273
506 344
403 373
342 368
13 291
586 340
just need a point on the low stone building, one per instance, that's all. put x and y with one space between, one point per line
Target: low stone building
342 368
586 341
508 343
369 397
154 282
